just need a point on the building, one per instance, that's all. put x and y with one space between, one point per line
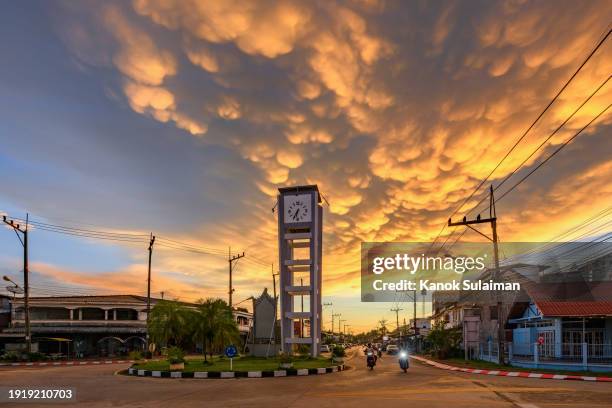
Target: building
81 326
565 324
423 325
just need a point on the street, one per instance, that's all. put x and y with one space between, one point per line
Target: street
422 386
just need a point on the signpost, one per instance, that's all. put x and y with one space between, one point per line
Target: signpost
231 351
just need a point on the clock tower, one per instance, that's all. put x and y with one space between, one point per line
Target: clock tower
300 234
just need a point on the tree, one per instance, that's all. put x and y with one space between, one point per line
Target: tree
443 342
214 325
168 323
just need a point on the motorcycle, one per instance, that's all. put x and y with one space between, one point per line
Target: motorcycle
403 360
371 360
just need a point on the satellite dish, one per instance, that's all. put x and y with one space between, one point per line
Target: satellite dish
15 289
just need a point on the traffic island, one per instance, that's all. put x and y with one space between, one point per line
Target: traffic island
238 367
235 374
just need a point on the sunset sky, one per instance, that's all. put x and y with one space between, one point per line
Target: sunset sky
182 118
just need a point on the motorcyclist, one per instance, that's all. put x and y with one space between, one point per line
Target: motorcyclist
370 351
403 359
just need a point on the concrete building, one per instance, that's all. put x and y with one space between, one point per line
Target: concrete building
81 326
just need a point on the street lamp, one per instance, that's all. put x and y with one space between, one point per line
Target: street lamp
6 278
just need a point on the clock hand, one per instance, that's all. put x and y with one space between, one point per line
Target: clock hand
296 213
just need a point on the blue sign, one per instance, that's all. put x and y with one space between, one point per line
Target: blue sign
231 351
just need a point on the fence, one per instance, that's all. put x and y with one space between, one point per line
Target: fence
579 356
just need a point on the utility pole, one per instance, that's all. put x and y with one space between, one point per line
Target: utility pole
26 286
383 327
333 316
496 276
414 300
231 259
340 325
325 304
151 242
397 310
273 329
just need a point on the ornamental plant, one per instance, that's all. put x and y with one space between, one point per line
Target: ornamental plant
175 355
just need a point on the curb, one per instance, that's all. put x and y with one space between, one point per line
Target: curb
236 374
66 363
522 374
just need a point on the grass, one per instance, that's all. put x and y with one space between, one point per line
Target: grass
486 365
240 364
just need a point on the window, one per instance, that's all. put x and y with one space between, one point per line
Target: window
49 313
124 314
92 314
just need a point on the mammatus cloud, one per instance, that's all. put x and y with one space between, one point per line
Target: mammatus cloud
396 110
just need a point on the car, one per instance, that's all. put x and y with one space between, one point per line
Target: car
392 349
325 349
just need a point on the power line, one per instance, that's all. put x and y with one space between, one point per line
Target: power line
545 140
554 153
528 129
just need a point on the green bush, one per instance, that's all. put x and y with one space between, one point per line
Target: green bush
443 343
285 358
175 355
338 351
303 349
135 355
11 356
35 356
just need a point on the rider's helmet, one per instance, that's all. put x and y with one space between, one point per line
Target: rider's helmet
369 345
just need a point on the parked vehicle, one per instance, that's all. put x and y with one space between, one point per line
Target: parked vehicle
392 349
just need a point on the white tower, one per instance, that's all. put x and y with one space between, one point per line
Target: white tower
300 234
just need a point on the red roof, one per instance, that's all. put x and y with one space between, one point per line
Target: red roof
597 308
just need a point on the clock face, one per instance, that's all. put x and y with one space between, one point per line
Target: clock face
297 208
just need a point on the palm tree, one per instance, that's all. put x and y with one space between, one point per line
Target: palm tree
168 323
214 325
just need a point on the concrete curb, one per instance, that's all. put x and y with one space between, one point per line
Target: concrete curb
523 374
236 374
66 363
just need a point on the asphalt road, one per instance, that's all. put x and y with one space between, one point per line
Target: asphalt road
385 386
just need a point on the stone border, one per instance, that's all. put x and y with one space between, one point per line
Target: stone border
522 374
236 374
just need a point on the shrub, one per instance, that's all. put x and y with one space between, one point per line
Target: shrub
338 351
176 355
35 356
444 343
11 356
285 358
135 355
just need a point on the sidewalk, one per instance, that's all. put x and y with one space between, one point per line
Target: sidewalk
64 363
524 374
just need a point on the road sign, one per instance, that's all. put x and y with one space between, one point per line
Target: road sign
541 340
231 351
